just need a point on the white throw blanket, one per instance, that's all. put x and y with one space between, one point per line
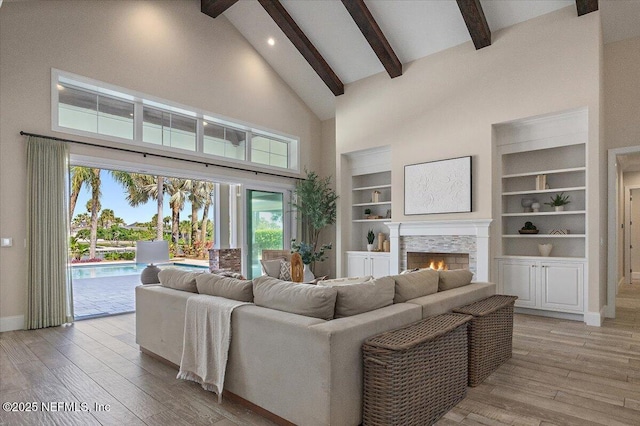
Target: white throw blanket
207 335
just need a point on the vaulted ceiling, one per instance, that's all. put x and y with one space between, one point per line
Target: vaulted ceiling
318 46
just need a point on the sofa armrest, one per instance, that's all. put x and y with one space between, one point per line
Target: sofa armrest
445 301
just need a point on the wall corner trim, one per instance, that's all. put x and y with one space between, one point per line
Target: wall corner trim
595 318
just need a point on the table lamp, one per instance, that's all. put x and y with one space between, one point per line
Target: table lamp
151 252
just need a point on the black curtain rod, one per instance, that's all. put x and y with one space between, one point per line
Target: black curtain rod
133 151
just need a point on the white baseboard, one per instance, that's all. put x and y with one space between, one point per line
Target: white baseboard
550 314
635 275
11 323
595 318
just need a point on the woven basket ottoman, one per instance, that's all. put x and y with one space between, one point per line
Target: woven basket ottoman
415 374
490 335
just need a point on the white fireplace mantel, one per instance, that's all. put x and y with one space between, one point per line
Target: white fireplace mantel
474 227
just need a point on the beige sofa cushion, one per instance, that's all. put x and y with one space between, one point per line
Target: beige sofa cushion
415 284
227 287
454 279
179 279
302 299
355 299
345 281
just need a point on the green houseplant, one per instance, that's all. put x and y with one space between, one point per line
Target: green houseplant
314 202
370 237
559 201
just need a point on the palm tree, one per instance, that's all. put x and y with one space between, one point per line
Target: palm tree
142 188
197 196
107 218
178 195
209 188
79 176
94 206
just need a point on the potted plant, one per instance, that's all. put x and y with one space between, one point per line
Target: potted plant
559 201
528 228
370 237
367 213
315 207
309 255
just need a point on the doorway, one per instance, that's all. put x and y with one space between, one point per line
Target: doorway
265 226
624 230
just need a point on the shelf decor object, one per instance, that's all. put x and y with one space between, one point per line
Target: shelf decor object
545 249
438 187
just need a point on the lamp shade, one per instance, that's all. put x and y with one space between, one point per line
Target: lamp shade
152 251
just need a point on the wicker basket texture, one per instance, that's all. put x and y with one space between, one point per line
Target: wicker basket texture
415 374
490 335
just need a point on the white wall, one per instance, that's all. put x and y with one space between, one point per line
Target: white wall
166 49
444 106
622 93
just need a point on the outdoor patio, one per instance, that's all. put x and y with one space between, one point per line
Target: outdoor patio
114 295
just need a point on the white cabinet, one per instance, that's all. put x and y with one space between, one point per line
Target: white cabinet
543 284
518 278
361 263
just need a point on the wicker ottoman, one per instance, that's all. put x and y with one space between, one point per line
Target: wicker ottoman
490 335
415 374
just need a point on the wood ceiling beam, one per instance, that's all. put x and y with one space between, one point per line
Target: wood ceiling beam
215 8
586 6
286 23
374 35
476 22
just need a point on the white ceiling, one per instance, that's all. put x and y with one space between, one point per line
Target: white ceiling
414 28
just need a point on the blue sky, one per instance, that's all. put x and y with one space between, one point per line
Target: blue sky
115 198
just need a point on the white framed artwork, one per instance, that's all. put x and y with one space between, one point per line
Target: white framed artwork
438 187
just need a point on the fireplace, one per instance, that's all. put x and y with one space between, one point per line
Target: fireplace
438 261
456 239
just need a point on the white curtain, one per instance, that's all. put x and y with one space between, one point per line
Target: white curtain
49 293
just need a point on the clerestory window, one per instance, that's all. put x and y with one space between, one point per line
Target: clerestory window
91 108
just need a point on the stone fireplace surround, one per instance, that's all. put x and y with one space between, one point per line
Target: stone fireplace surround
448 236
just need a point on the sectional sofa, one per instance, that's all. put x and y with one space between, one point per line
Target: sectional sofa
296 352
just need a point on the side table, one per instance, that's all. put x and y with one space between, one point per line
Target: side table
490 335
415 374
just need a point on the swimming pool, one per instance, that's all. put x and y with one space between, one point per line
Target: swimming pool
102 271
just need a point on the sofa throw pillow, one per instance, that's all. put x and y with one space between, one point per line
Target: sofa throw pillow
271 267
297 298
178 279
454 279
227 287
364 297
345 281
285 271
415 284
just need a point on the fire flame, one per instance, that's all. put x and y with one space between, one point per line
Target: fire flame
438 266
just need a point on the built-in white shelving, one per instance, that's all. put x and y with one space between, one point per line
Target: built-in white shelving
537 159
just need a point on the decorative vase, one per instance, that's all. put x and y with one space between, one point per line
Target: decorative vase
369 247
559 208
381 239
308 275
535 207
526 204
545 249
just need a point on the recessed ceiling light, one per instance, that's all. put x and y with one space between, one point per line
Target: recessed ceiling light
204 123
271 41
60 87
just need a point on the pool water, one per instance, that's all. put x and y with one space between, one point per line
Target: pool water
101 271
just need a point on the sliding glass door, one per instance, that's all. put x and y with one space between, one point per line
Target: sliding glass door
266 228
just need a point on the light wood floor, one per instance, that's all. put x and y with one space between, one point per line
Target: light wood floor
561 373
